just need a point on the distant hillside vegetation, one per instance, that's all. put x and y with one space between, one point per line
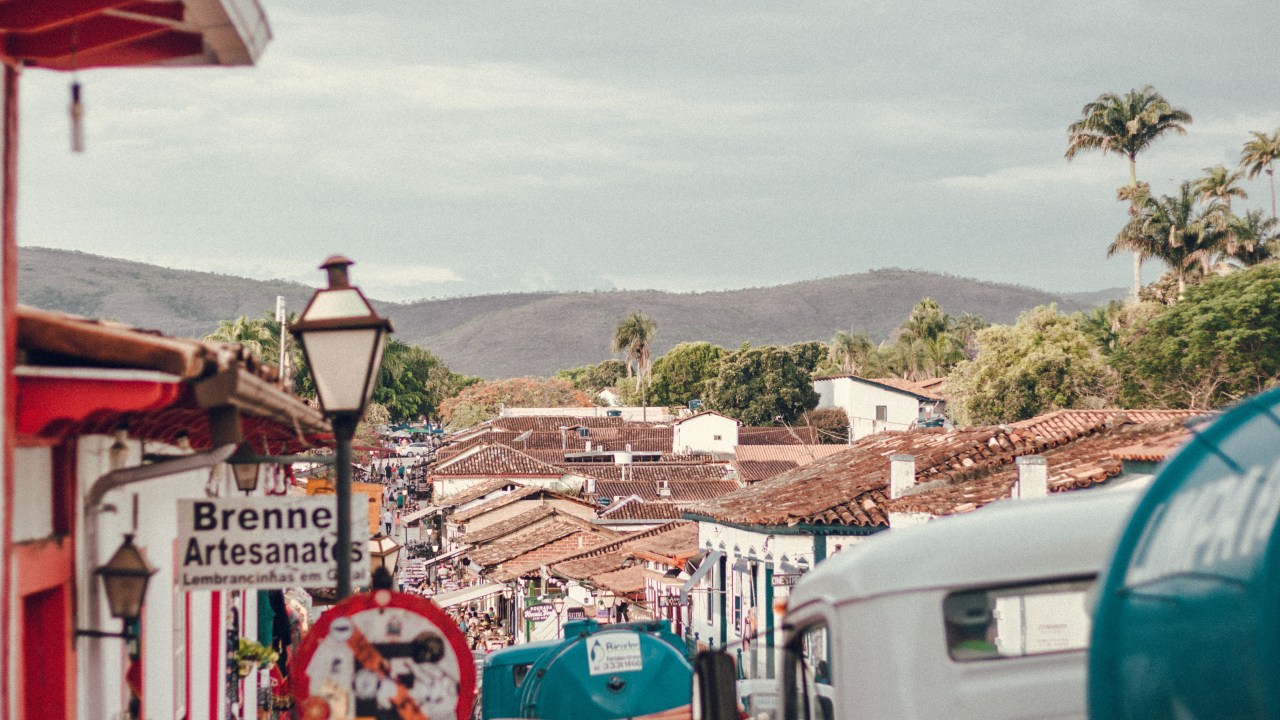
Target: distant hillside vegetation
498 336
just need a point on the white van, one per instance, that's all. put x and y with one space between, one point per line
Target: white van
977 616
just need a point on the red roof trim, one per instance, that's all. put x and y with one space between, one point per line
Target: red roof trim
55 405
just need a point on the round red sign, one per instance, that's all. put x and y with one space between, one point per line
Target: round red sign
384 654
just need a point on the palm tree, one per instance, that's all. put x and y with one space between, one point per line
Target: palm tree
1219 185
254 335
632 338
1174 230
1126 124
1254 238
1258 155
850 351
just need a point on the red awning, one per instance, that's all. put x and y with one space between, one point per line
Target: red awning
79 34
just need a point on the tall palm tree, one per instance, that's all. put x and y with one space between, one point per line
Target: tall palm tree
1126 124
632 338
1258 156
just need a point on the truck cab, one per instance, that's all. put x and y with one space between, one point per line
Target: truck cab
977 616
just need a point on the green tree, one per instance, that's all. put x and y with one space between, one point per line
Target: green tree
1126 124
1217 345
594 378
760 385
254 334
1102 325
849 353
1258 156
483 401
809 355
927 343
1040 364
684 372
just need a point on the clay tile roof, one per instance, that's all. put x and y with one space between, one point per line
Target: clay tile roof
681 539
777 436
524 493
750 471
521 543
971 466
547 423
616 554
1081 463
495 461
638 509
758 462
531 561
650 472
627 580
681 491
510 525
475 492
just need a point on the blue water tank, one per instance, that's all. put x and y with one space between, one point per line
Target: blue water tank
1188 617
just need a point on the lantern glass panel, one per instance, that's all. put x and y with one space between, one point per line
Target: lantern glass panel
340 362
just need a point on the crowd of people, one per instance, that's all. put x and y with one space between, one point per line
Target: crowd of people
483 631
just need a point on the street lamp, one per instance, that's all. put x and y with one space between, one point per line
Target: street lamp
342 338
124 580
383 553
608 600
246 476
557 604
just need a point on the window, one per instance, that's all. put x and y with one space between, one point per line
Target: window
807 678
716 437
1009 622
882 413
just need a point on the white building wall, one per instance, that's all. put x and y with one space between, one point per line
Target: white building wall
169 662
707 433
859 401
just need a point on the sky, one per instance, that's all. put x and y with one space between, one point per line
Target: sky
459 148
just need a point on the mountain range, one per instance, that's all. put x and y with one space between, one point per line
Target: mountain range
516 334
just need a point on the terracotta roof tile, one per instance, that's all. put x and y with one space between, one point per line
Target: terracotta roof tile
681 491
627 580
1086 461
475 492
777 436
497 530
521 543
751 471
650 472
906 386
639 509
555 422
523 493
969 466
494 461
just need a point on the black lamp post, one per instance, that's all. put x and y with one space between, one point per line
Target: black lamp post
342 337
384 552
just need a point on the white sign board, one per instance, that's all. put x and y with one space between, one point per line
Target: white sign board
267 542
1055 622
611 652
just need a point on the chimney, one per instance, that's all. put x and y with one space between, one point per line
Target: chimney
902 474
1033 477
588 446
564 438
664 488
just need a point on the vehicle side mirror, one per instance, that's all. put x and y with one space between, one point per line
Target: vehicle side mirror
715 695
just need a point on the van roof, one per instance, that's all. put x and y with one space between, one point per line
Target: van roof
1064 535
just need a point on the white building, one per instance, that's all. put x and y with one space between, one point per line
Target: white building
706 433
876 405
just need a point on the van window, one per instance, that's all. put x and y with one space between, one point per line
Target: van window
808 675
1009 622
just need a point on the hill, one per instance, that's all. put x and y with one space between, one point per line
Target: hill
529 333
